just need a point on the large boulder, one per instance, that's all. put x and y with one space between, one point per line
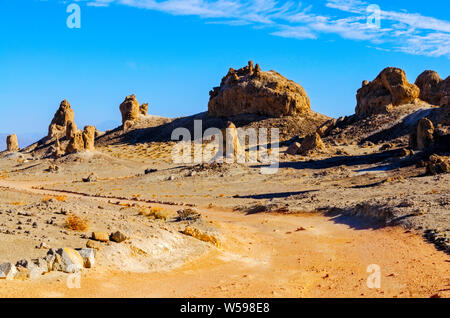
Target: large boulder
429 84
311 143
89 137
12 144
130 109
433 89
389 88
437 164
251 91
444 92
63 115
422 135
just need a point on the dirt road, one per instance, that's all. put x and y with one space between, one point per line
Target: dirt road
268 255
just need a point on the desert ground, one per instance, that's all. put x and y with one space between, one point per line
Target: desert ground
360 195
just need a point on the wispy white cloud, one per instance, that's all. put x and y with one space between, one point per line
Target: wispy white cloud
400 31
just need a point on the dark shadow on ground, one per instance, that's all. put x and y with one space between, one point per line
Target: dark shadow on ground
355 222
390 160
272 195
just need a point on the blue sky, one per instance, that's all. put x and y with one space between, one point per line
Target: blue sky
171 53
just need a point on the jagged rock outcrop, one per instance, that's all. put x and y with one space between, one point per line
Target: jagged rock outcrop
127 125
326 127
57 150
437 164
89 137
63 115
444 93
81 140
310 144
422 135
12 144
433 89
429 84
76 144
231 146
251 91
143 109
71 129
130 109
389 88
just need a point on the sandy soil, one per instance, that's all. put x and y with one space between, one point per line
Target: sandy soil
272 255
310 230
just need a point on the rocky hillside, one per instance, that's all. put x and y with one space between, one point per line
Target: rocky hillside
249 90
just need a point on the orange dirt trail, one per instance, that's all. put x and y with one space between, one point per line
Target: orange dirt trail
268 255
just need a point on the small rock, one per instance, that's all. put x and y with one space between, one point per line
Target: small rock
191 173
39 268
23 263
44 245
8 271
118 237
403 152
100 236
66 260
88 255
91 178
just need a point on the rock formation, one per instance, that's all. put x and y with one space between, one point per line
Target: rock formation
143 109
437 164
63 115
327 127
429 83
444 115
311 143
76 144
89 137
231 145
57 151
389 88
444 92
433 89
71 129
251 91
130 109
422 135
127 125
12 144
